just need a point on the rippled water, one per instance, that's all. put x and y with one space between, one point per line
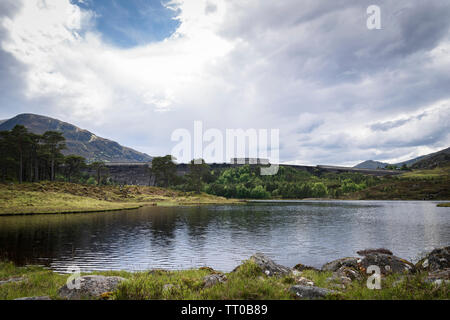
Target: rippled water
311 233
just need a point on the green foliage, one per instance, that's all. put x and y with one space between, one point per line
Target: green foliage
26 156
73 165
164 170
245 182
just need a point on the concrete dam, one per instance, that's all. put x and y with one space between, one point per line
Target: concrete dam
137 173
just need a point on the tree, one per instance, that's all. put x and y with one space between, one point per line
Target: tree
21 140
198 174
73 165
99 168
164 170
54 143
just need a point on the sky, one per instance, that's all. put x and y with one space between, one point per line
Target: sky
134 71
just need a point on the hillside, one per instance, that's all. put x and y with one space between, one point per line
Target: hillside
428 161
371 164
437 159
80 142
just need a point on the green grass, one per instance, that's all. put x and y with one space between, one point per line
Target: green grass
62 197
247 282
37 282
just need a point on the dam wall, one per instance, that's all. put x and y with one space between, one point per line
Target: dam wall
138 173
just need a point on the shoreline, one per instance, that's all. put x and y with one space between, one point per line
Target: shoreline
69 198
258 278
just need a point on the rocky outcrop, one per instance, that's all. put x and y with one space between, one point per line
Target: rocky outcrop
213 279
438 259
387 263
334 265
268 266
310 292
93 286
371 251
302 267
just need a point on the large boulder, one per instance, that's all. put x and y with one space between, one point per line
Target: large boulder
334 265
387 263
91 287
438 259
268 266
310 292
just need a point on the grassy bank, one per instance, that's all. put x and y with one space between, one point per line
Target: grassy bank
248 282
447 204
413 185
62 197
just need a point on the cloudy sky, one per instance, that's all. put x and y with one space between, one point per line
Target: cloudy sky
135 70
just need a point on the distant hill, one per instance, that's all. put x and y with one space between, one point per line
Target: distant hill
433 160
371 164
428 161
80 142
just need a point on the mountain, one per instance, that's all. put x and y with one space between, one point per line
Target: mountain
79 141
371 164
428 161
433 160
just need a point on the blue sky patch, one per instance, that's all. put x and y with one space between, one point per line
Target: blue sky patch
130 23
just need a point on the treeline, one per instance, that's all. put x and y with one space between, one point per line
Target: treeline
30 157
246 181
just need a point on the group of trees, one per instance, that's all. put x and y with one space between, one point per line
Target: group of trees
26 156
30 157
246 181
164 172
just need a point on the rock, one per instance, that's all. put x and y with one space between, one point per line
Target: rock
338 282
35 298
370 251
18 279
439 277
213 279
91 287
349 273
268 266
302 267
336 264
343 276
387 263
310 292
438 259
168 287
304 281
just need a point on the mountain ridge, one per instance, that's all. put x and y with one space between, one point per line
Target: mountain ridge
427 161
78 141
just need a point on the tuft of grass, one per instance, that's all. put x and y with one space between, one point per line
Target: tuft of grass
397 287
37 281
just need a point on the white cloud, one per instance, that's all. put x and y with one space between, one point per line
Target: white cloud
310 68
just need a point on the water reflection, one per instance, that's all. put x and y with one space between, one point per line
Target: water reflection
222 236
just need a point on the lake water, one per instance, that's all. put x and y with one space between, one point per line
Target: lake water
307 232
